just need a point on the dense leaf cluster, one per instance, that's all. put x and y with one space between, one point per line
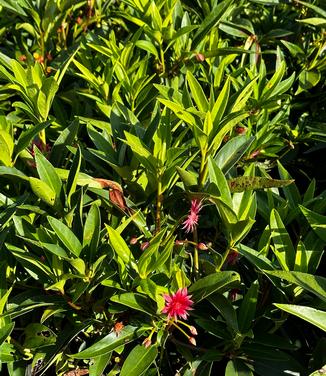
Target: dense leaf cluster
115 118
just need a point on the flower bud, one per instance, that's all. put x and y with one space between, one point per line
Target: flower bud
192 341
179 242
200 57
254 154
144 245
133 240
202 247
147 342
240 130
193 330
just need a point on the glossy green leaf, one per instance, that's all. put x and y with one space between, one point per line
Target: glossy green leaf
135 301
73 175
47 173
236 367
316 221
68 238
197 92
232 152
92 229
99 363
221 303
283 247
218 282
148 258
43 191
120 246
217 177
312 315
139 360
216 15
111 342
247 310
312 283
147 46
221 103
5 331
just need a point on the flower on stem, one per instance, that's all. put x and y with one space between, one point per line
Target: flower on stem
193 330
144 245
191 222
202 247
147 342
178 304
192 341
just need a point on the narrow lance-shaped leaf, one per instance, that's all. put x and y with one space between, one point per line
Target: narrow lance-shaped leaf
139 360
245 183
232 151
120 247
197 92
283 247
73 175
68 238
111 342
43 191
316 221
312 315
47 172
247 310
213 282
312 283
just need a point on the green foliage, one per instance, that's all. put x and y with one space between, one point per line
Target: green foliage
152 146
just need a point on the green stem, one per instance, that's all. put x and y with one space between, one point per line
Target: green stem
162 59
196 258
181 330
42 137
225 255
203 171
159 201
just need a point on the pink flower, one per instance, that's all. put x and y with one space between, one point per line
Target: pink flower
192 220
178 304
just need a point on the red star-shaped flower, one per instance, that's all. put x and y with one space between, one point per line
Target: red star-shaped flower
178 304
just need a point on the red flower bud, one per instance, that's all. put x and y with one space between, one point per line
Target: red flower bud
144 245
254 154
133 240
200 57
147 342
202 247
192 341
240 130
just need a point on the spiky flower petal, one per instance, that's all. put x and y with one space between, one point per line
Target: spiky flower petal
177 305
192 220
